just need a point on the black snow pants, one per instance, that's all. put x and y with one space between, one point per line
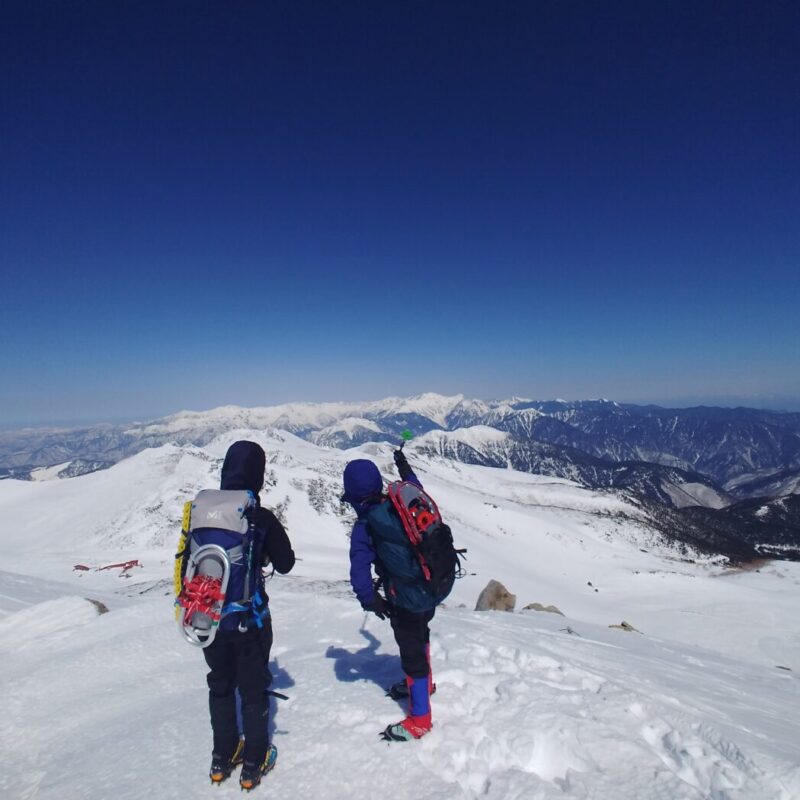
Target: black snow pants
240 660
412 634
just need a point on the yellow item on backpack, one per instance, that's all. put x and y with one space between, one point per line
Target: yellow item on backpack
180 556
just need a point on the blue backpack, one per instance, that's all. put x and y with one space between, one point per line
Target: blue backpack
221 551
417 560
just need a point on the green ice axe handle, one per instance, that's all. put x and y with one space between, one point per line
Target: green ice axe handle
406 436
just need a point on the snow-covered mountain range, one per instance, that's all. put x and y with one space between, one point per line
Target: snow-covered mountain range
699 701
723 478
730 447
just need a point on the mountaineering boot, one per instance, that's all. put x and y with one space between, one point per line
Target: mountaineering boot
221 768
410 728
251 773
418 722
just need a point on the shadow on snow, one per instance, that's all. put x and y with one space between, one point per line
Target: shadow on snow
365 664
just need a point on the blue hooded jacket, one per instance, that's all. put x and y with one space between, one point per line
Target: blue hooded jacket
363 488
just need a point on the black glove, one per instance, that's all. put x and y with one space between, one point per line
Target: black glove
402 464
379 607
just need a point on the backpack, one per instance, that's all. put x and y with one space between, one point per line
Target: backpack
417 560
218 577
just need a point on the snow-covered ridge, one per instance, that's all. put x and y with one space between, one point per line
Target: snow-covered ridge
49 473
350 425
475 436
347 432
304 416
689 494
689 453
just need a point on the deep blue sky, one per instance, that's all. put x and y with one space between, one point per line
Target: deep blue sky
251 202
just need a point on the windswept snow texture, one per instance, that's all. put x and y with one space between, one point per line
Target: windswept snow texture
115 707
702 704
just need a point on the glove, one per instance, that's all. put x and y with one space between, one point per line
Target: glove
402 463
379 607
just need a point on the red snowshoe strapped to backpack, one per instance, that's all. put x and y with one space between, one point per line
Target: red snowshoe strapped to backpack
418 513
218 568
419 562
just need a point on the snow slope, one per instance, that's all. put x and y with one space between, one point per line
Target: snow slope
696 494
346 433
113 705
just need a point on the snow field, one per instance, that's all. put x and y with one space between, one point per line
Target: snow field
115 706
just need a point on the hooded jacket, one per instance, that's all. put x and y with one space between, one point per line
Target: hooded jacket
243 469
363 487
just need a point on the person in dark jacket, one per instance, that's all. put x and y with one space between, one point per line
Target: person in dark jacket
363 489
239 659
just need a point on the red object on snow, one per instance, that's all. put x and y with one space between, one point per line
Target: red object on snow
124 565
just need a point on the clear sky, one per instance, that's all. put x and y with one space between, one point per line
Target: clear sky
222 201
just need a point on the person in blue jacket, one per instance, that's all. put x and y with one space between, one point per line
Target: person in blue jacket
363 489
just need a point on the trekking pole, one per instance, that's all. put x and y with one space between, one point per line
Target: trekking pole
406 436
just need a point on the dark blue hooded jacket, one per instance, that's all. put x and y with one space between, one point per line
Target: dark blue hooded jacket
363 488
243 469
